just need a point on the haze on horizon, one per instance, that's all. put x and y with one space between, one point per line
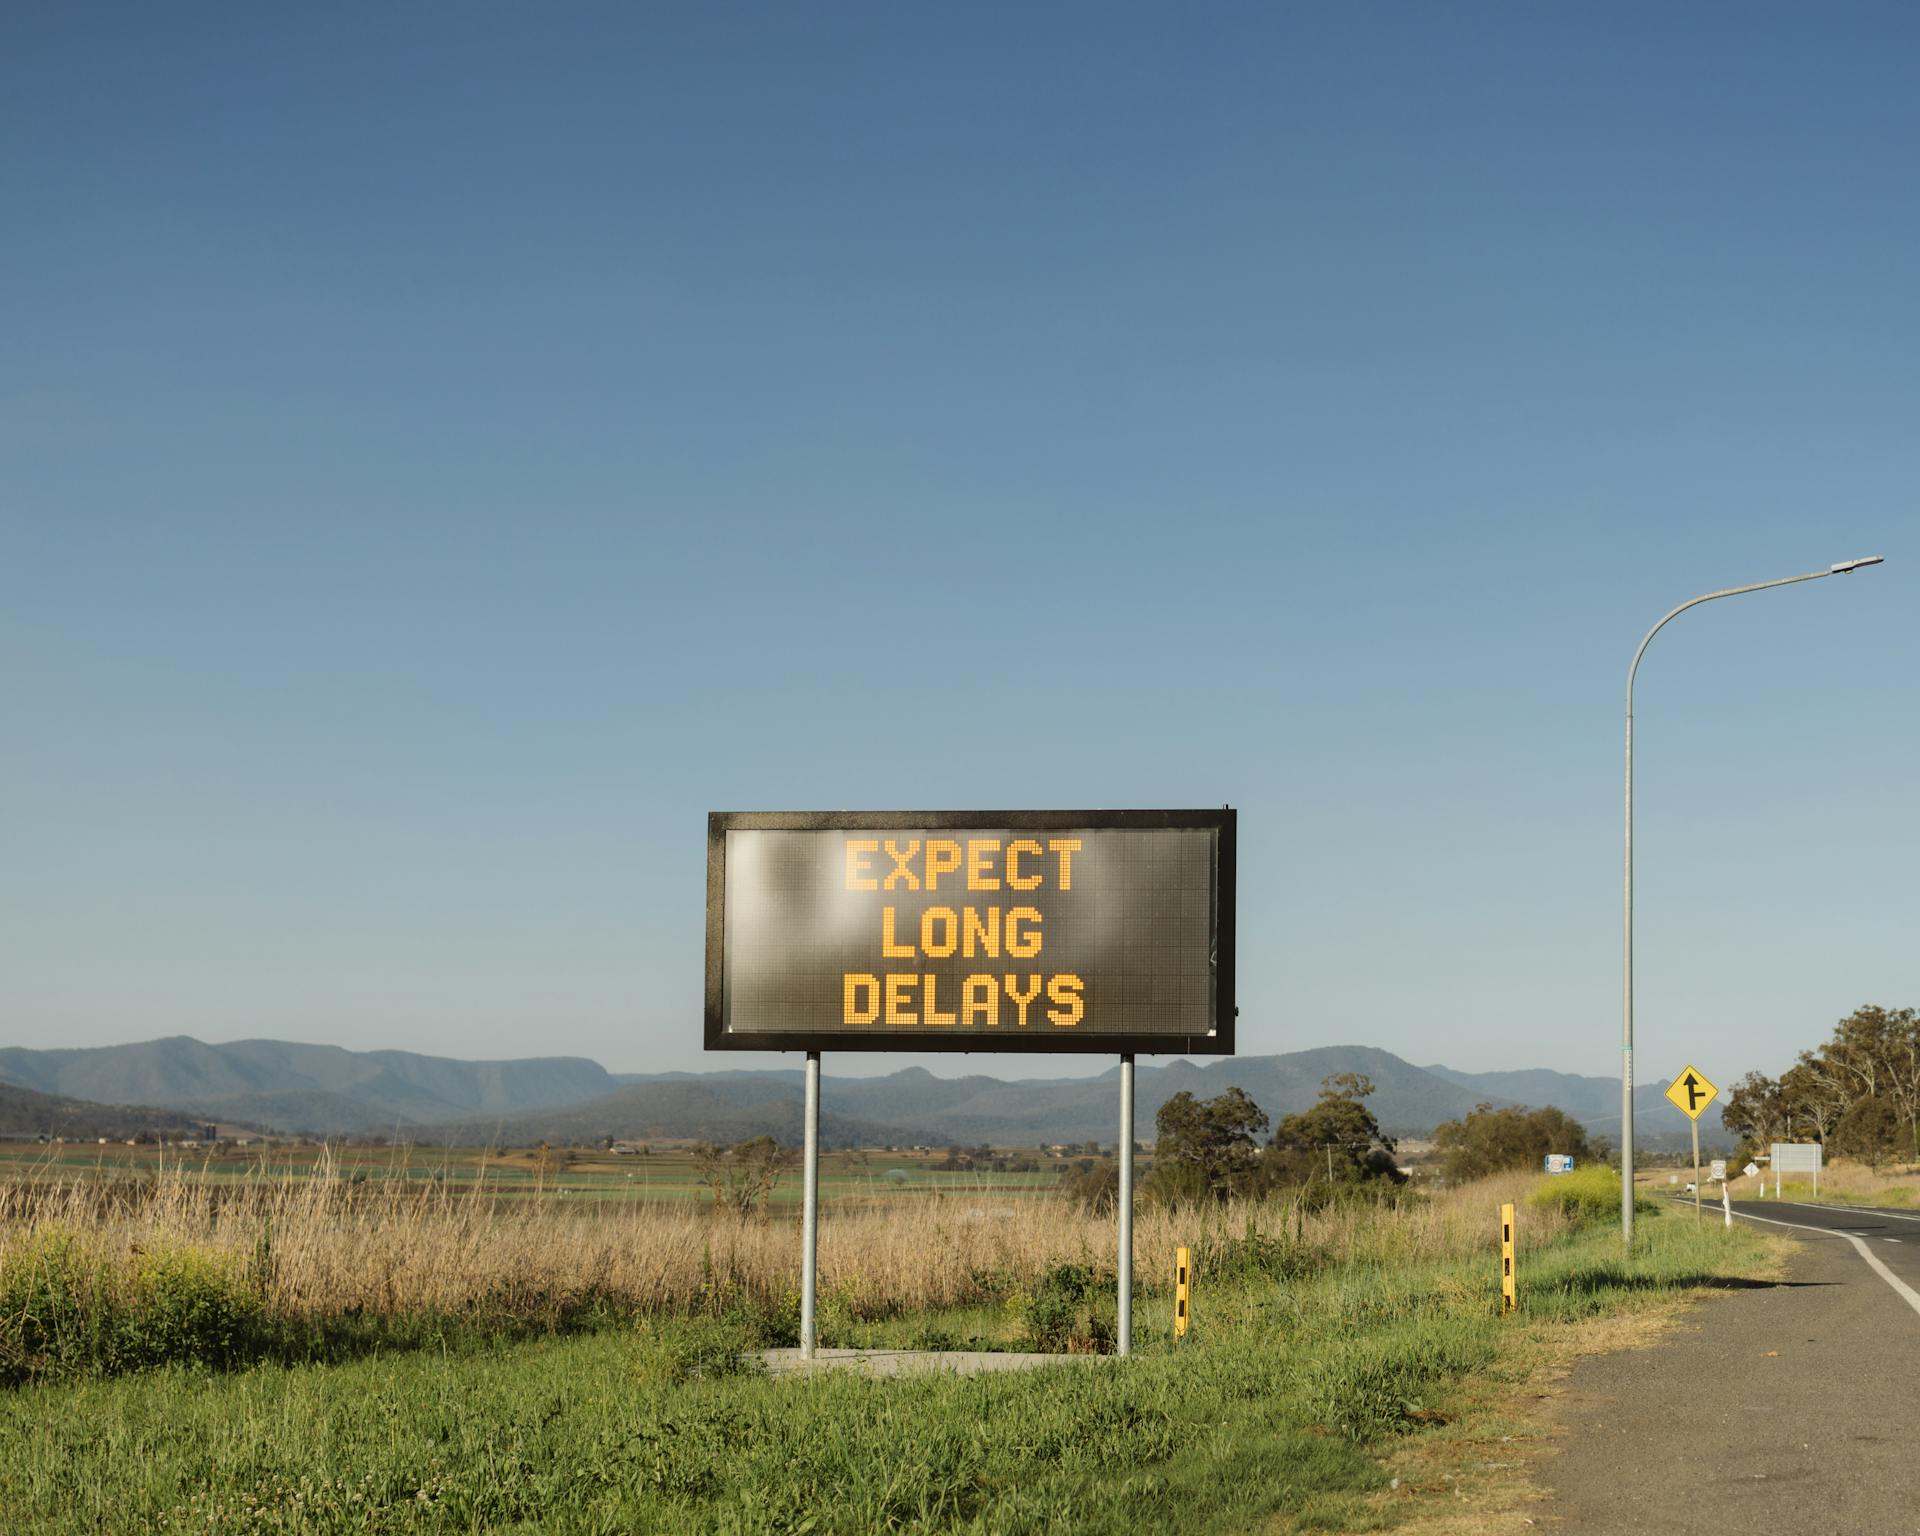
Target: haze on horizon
450 453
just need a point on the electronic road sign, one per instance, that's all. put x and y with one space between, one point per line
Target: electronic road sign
1106 931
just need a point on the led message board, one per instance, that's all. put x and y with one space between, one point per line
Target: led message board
1105 931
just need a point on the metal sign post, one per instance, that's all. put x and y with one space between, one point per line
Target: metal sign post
1691 1093
810 1205
1123 1342
1796 1157
1694 1126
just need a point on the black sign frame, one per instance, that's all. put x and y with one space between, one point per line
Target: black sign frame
1220 1042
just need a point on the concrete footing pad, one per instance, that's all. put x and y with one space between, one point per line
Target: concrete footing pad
913 1362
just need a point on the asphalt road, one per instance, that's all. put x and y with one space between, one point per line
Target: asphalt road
1893 1237
1782 1407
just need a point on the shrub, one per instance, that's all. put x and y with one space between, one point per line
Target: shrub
65 1311
1177 1186
185 1304
1585 1195
49 1307
1096 1189
1067 1310
1254 1256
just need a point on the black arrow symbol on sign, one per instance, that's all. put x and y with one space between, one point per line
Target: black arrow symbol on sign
1692 1085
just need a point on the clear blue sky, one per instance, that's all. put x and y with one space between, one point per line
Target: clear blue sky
449 449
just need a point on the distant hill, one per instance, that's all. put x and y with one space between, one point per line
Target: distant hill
913 1105
25 1114
1595 1103
1023 1112
663 1111
1578 1096
293 1087
327 1090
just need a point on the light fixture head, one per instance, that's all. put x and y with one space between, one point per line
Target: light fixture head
1853 565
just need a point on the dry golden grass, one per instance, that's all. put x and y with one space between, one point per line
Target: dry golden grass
320 1244
1894 1183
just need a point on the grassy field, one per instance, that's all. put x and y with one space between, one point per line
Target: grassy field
1324 1342
1841 1183
306 1266
664 1174
1853 1184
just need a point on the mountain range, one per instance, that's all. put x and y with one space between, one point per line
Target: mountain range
328 1090
293 1087
25 1114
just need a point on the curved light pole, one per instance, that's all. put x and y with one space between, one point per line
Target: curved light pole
1626 1030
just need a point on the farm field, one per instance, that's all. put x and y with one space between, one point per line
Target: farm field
325 1356
662 1174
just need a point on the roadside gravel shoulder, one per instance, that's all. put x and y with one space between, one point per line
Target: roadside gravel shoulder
1781 1408
1491 1470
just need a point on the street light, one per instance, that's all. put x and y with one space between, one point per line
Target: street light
1843 568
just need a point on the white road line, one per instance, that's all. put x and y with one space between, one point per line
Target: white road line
1864 1210
1900 1287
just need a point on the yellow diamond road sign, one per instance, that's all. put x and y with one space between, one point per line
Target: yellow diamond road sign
1692 1093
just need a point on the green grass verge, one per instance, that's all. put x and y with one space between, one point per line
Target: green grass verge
1275 1415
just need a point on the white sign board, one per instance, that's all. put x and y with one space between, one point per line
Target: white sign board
1751 1169
1717 1169
1559 1162
1796 1156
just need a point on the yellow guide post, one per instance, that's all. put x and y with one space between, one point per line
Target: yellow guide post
1182 1273
1507 1295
